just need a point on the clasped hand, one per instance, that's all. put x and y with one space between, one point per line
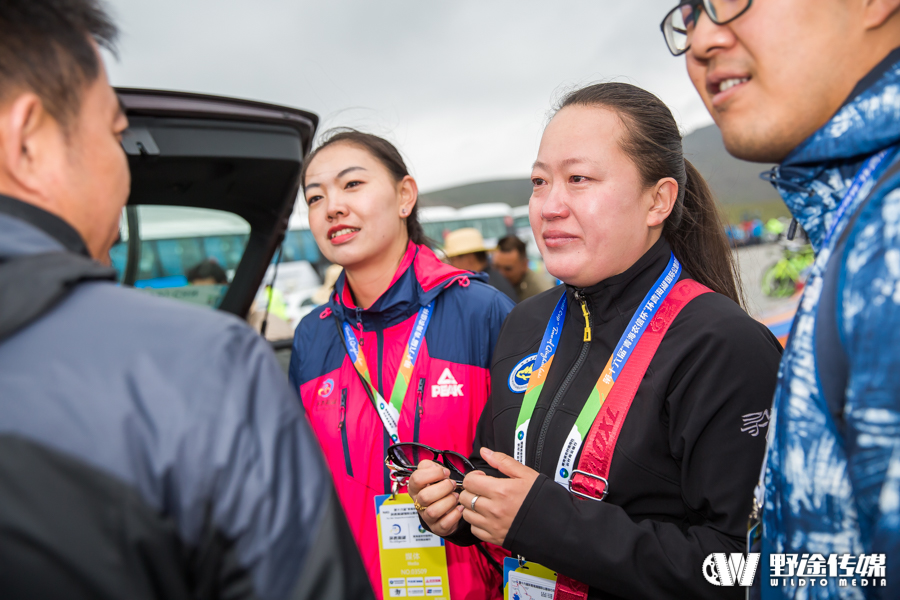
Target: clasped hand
499 499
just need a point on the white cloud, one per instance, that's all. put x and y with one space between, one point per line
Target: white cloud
462 87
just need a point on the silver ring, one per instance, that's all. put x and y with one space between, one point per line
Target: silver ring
472 505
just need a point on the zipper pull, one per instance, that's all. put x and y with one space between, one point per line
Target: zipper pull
419 397
343 409
579 295
359 324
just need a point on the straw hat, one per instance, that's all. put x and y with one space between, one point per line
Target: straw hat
464 241
321 295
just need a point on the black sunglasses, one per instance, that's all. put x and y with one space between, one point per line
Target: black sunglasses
678 26
403 459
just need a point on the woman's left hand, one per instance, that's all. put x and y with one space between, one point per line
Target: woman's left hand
498 499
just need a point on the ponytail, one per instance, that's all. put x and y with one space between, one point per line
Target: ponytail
696 234
694 229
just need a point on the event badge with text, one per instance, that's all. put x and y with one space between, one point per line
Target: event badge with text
523 580
413 560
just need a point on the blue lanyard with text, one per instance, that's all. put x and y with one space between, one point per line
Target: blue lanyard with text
622 352
389 412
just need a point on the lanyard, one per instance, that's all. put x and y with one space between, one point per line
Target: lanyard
389 412
622 352
865 176
862 178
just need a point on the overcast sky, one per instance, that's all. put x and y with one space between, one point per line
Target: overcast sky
462 86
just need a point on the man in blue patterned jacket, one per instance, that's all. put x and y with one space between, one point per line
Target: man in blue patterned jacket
815 86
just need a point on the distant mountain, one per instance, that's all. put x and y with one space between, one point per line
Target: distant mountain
514 192
735 183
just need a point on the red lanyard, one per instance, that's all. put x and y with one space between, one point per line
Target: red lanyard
591 478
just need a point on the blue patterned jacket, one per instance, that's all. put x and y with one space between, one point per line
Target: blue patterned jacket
832 479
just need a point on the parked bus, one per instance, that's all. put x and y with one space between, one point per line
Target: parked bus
494 220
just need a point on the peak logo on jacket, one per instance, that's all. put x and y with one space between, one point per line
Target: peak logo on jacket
446 386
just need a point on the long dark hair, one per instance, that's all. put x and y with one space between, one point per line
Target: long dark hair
387 154
694 228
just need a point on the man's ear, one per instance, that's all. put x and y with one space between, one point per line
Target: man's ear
409 194
663 194
23 140
877 12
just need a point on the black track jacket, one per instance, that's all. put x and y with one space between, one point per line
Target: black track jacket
685 464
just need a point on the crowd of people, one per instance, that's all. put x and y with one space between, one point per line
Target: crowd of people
603 438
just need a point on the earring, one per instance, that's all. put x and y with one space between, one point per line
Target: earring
403 212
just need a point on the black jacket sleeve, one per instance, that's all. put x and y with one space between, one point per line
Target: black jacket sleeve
717 383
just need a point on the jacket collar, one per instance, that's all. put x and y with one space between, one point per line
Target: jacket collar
46 222
621 294
419 279
816 174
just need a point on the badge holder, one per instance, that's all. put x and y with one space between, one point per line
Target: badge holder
413 560
523 579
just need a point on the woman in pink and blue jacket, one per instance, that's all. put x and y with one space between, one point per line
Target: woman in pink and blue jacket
362 213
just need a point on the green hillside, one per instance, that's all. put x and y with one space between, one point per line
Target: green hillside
735 183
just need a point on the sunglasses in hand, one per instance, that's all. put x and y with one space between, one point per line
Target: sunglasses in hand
403 460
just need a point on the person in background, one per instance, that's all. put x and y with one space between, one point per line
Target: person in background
619 216
148 449
401 330
813 85
511 260
465 249
208 272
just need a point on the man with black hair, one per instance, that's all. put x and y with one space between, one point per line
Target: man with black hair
511 260
813 85
147 449
208 272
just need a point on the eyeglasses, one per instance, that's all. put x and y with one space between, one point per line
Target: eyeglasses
678 26
403 459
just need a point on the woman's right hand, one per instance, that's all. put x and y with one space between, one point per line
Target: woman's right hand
431 487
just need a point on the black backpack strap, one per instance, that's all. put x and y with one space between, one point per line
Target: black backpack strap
833 364
31 285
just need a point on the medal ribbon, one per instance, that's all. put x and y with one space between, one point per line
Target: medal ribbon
622 352
389 412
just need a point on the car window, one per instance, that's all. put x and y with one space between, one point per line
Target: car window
189 254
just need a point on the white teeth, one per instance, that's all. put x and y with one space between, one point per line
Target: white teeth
730 83
344 231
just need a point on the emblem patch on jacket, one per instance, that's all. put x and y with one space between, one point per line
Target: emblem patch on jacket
446 386
326 388
754 422
520 374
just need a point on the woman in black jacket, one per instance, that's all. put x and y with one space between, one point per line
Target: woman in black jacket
615 208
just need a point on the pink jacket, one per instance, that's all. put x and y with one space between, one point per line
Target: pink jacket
449 387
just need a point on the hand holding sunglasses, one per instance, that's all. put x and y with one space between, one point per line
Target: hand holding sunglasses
403 460
434 499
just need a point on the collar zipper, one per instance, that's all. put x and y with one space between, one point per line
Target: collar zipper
579 295
570 377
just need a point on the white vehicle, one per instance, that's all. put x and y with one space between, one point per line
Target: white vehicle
176 239
494 220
